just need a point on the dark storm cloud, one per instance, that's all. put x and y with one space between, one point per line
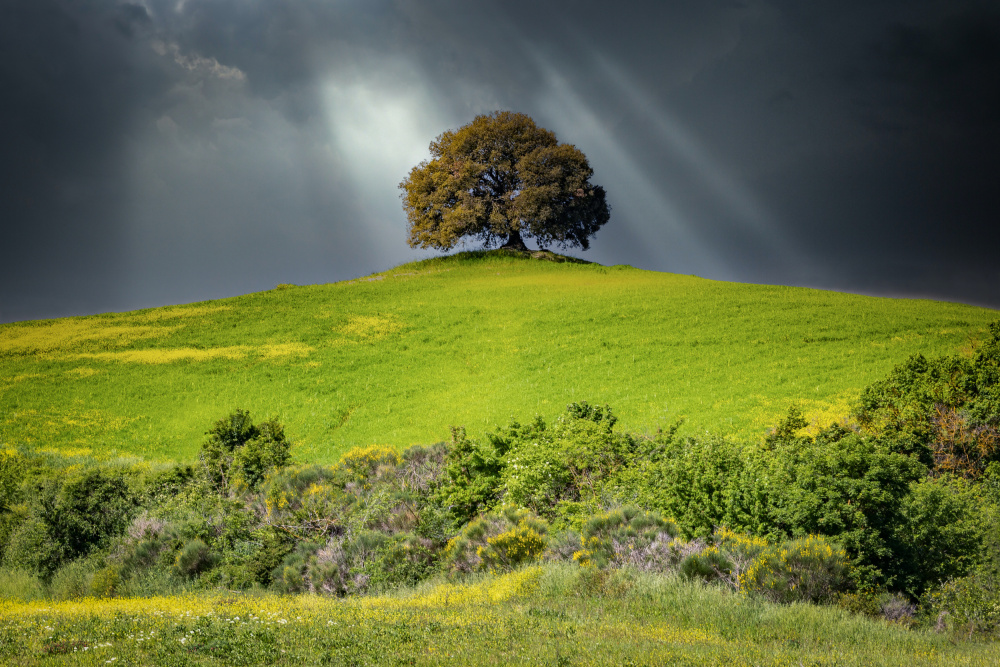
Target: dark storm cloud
63 71
174 150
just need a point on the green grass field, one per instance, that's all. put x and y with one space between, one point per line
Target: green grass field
398 357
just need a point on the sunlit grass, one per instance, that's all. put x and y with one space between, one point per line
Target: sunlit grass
399 357
552 615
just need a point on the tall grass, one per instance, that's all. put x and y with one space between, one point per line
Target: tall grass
556 615
397 357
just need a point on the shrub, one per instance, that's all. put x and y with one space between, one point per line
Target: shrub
84 512
700 482
970 604
31 548
194 558
940 535
360 465
945 410
846 486
517 546
105 582
471 481
517 536
72 581
628 537
809 569
20 584
708 564
238 454
536 466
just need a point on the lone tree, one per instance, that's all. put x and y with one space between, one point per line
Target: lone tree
502 178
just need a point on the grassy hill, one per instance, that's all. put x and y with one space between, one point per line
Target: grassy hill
470 339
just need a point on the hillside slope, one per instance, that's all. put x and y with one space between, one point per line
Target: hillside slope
469 340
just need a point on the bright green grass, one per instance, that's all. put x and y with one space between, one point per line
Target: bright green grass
538 616
469 340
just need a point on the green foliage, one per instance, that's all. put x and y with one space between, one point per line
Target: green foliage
497 542
194 558
473 470
502 177
948 407
628 537
942 532
701 482
71 517
72 581
544 468
899 529
806 569
708 564
20 584
847 487
361 464
969 605
238 454
32 548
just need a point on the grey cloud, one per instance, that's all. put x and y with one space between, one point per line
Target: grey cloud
171 151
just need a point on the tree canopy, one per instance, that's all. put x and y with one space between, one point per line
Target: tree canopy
502 178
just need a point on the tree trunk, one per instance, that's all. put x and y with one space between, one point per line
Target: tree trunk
514 241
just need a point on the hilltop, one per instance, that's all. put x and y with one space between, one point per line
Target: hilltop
470 339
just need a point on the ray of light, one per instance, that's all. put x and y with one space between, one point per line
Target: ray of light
684 145
661 226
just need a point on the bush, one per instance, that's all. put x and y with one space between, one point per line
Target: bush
628 537
517 546
72 581
361 464
499 541
31 548
536 466
701 482
238 454
85 512
193 559
945 410
969 605
708 564
809 569
941 533
21 585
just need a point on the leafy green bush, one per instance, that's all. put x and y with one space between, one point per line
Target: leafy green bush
537 466
87 510
946 410
20 584
72 581
194 558
969 605
708 564
941 532
361 464
238 454
701 483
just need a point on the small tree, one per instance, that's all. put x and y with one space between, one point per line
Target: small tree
502 178
239 453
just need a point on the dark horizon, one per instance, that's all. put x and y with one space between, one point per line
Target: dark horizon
165 151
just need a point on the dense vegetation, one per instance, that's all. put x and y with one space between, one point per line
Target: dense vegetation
398 357
892 514
861 529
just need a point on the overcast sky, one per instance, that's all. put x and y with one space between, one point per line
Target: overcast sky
165 151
